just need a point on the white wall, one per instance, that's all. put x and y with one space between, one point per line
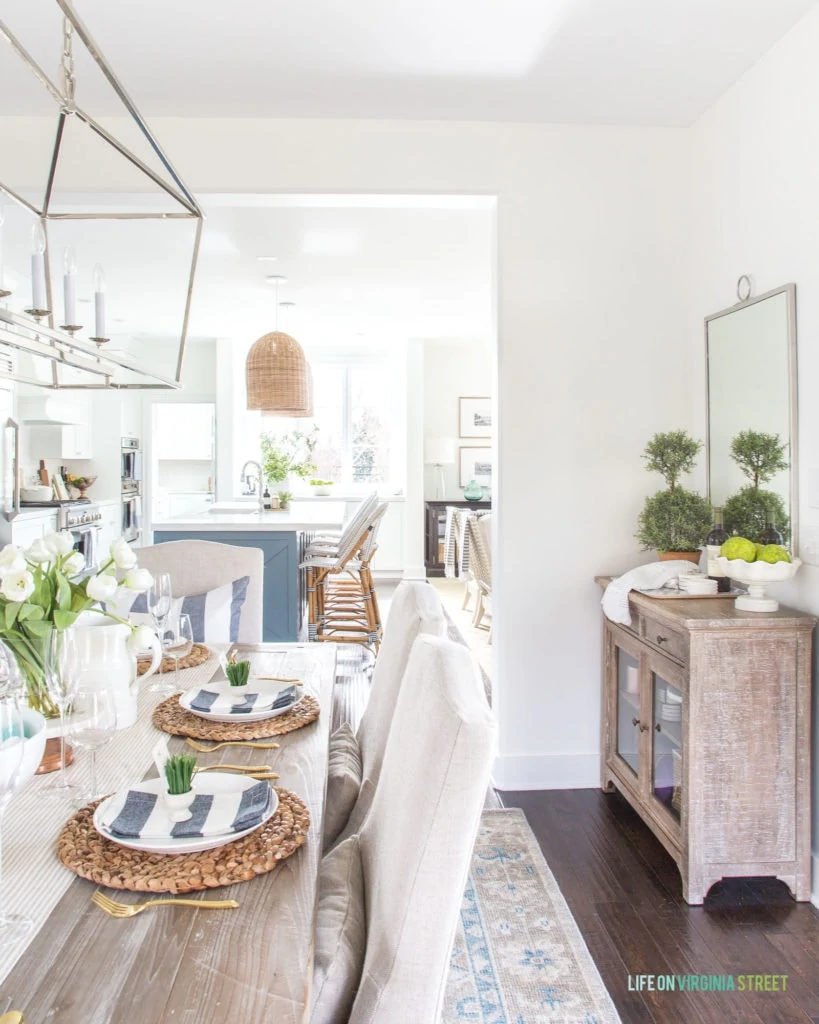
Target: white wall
755 211
452 368
592 265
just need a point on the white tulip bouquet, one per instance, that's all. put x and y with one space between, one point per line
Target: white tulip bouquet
42 588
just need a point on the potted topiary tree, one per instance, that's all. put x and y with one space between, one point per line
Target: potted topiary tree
675 521
760 456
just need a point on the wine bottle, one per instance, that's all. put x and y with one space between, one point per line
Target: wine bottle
771 534
713 542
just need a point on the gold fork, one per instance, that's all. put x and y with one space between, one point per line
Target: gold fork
204 749
116 909
259 771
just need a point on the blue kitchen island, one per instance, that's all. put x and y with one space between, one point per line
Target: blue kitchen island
282 536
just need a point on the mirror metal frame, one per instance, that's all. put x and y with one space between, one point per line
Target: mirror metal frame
789 290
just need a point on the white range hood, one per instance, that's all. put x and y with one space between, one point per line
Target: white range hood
49 410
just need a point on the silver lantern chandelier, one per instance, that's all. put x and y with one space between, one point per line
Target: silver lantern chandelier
36 330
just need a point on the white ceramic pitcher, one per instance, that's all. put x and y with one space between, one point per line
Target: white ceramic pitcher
107 661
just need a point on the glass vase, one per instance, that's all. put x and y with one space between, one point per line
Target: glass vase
473 491
30 655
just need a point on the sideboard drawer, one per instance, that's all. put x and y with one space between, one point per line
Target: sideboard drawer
666 639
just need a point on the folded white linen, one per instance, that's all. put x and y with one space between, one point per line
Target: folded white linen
645 577
141 813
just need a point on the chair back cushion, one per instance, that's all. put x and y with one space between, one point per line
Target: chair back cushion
197 567
417 840
340 935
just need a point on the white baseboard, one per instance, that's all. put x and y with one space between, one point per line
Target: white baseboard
814 895
546 771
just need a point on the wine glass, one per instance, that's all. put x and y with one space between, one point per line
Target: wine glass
180 644
11 761
11 679
62 673
92 724
159 606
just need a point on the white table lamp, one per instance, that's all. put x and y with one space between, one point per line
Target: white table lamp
439 452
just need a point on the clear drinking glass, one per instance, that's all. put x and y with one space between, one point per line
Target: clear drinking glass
159 607
62 673
92 724
11 760
11 679
180 644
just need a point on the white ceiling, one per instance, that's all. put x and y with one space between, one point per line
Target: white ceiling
651 62
363 271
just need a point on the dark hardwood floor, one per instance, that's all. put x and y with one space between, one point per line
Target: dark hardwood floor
625 893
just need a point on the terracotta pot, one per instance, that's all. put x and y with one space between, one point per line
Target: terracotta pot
689 556
51 756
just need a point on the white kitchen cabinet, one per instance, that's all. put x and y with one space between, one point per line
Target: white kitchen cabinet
389 558
26 530
111 528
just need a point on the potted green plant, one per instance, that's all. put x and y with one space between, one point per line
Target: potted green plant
288 455
675 521
321 488
760 456
284 500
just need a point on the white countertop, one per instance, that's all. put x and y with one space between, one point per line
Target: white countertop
308 516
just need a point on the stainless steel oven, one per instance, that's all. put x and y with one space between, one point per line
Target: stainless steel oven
82 521
131 517
131 466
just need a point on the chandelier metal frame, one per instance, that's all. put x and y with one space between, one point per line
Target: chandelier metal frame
36 333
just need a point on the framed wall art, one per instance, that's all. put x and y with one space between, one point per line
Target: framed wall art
475 417
476 464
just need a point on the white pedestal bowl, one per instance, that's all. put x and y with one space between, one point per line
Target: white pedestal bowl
756 576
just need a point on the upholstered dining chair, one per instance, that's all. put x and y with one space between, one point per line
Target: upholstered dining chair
390 895
355 758
202 567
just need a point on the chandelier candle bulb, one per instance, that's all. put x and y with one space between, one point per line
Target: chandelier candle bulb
99 302
69 287
38 282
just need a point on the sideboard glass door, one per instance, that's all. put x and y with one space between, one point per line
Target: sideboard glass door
667 776
628 709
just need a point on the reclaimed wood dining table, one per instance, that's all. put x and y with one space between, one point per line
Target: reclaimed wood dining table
181 964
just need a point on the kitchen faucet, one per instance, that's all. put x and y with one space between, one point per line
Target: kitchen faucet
258 478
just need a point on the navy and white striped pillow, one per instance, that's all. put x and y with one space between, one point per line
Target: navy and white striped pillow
215 616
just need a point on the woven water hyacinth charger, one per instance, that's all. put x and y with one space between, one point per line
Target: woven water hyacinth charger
199 654
170 716
88 854
278 376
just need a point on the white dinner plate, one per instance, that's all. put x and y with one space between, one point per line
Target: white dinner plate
204 782
223 687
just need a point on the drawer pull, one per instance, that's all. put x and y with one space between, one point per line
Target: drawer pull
662 639
636 721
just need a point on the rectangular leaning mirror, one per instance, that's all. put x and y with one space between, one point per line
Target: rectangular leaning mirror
751 382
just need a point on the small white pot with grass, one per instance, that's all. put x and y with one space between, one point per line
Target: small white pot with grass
179 794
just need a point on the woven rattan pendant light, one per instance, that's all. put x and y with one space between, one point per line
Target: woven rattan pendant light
279 381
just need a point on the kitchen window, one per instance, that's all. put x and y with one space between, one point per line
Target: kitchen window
358 407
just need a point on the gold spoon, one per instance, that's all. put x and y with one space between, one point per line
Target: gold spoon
204 749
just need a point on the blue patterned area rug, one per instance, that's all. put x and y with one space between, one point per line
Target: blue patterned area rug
519 957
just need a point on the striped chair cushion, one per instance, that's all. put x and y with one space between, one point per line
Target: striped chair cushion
215 616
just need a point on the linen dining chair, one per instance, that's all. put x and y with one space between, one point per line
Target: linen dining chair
209 569
390 895
355 757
